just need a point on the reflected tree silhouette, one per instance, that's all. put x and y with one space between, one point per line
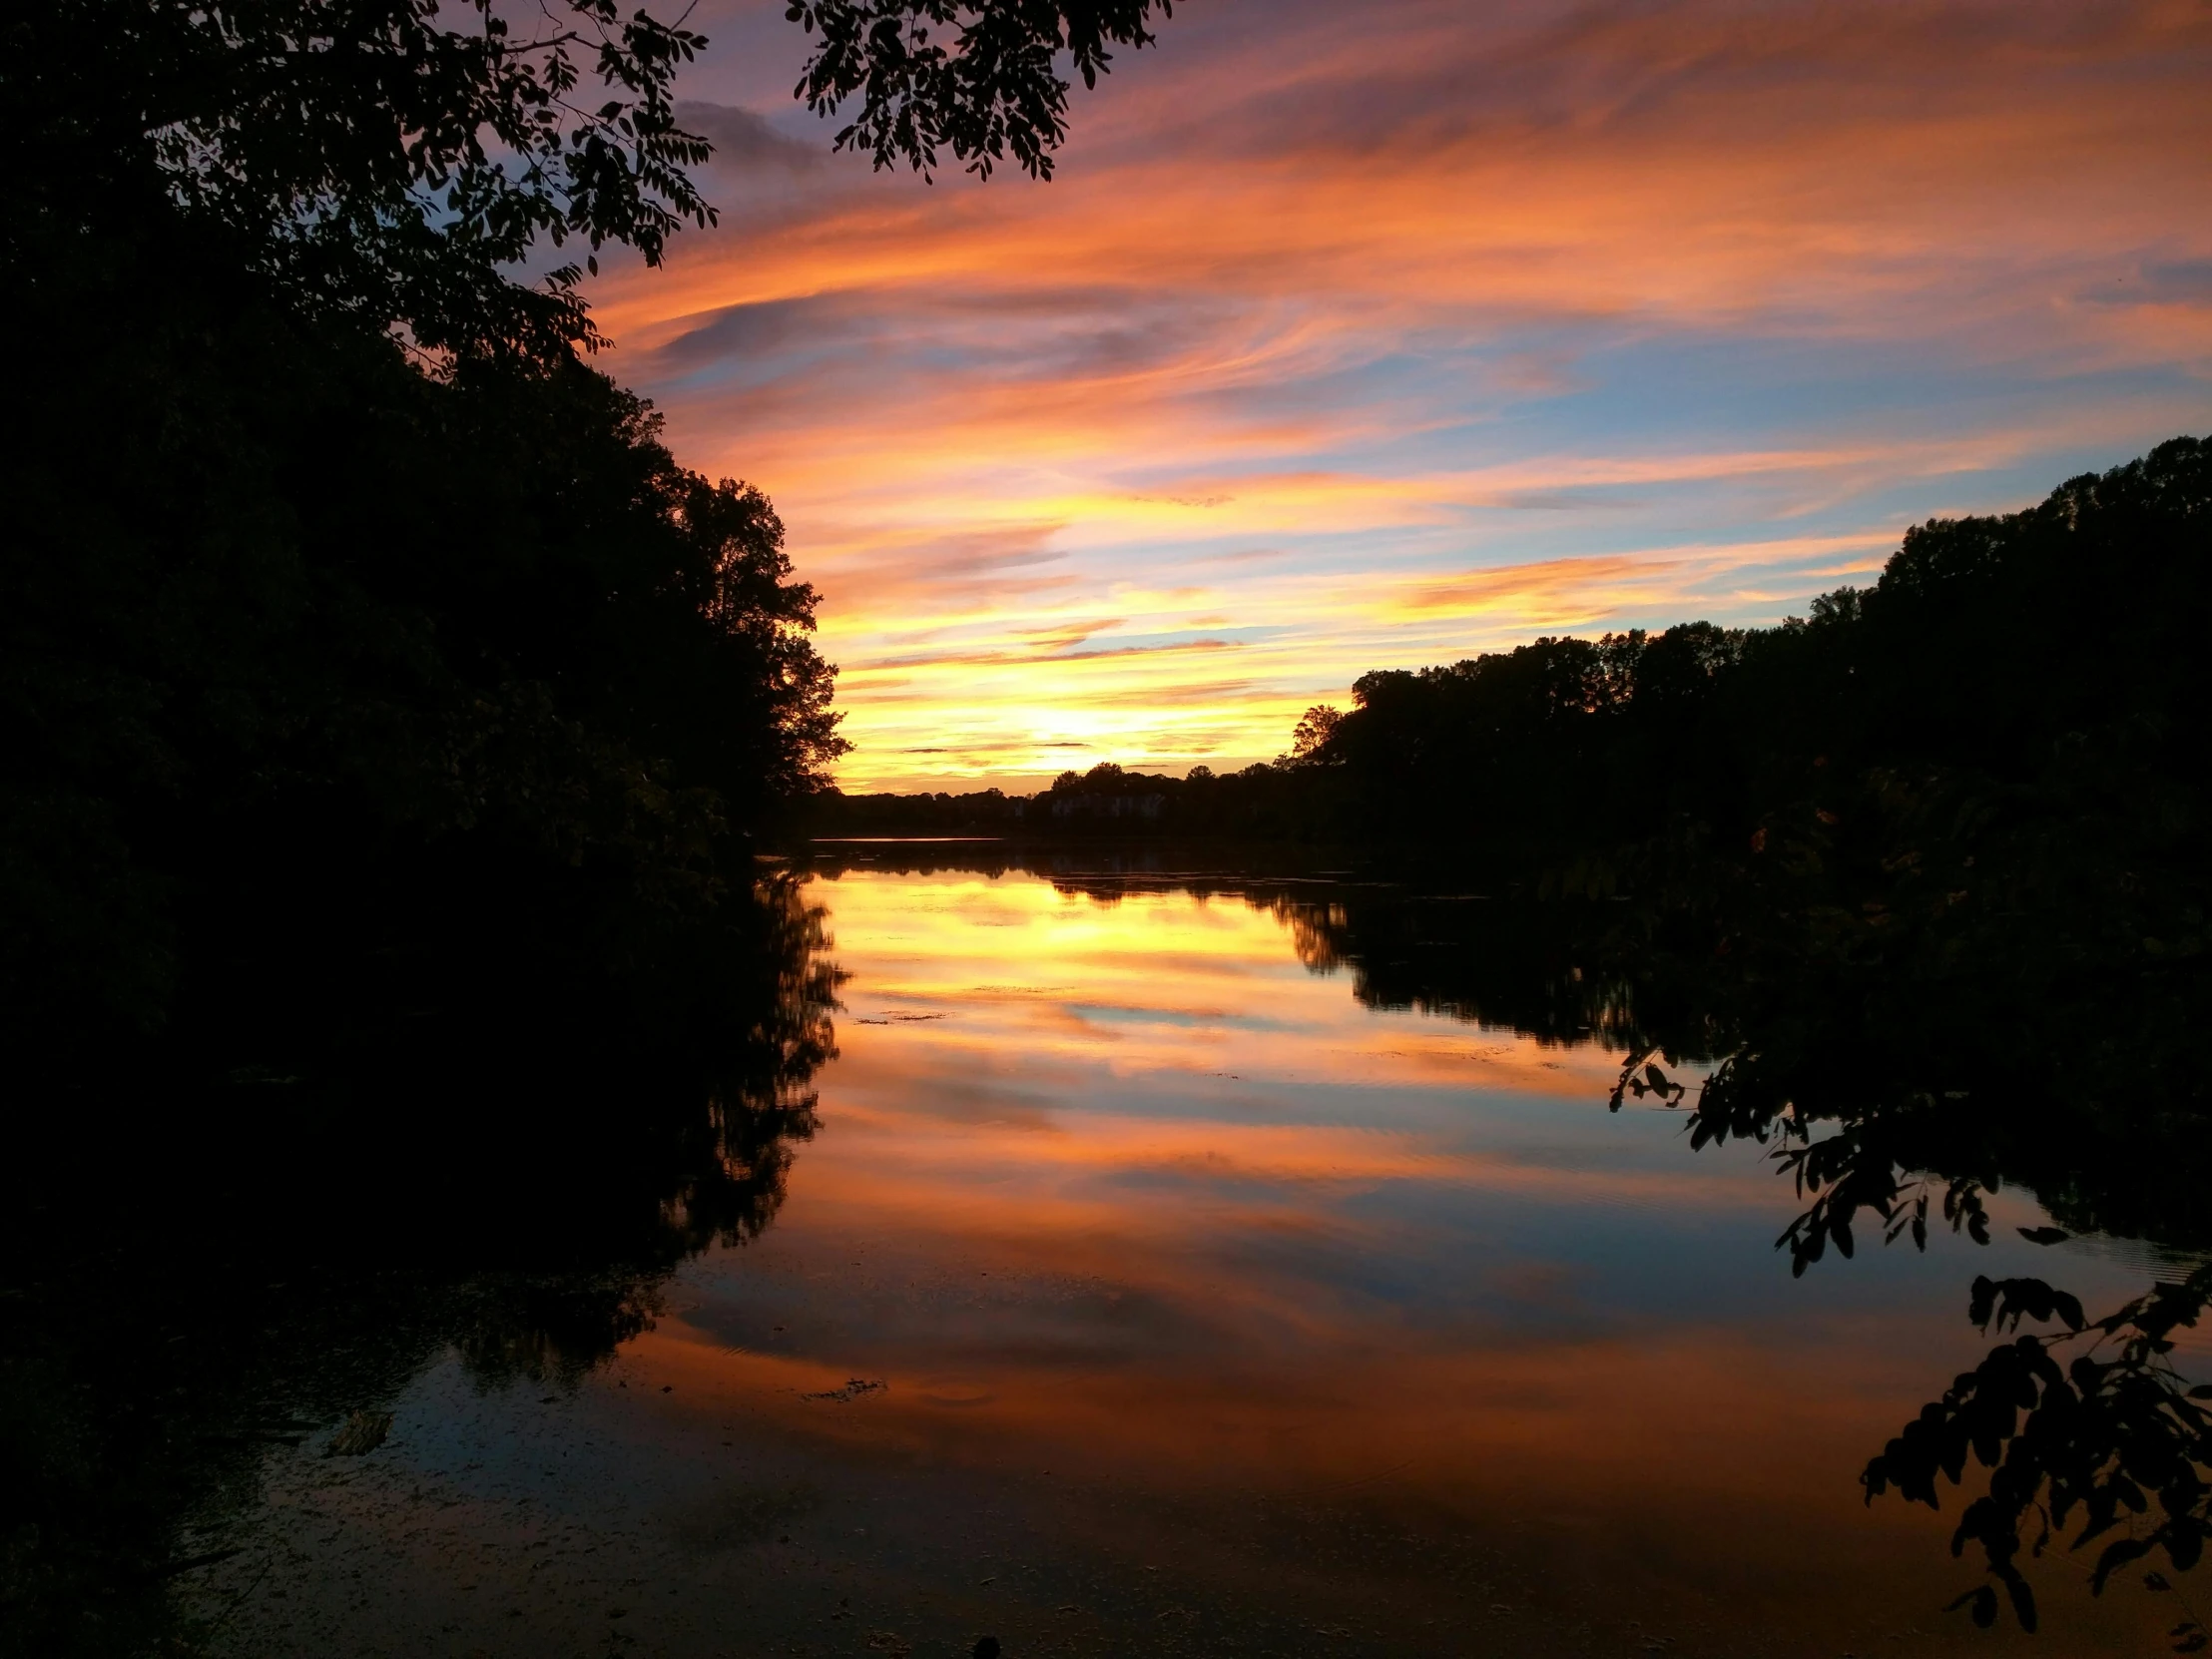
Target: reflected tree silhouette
511 1179
1891 1119
1896 1095
2090 1426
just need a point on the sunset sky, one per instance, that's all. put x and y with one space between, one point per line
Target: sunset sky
1370 335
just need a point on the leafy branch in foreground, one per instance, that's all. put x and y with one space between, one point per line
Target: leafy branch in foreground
391 160
2105 1438
1868 1163
2116 1438
978 77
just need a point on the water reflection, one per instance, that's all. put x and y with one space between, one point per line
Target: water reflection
1175 1261
1889 1107
501 1180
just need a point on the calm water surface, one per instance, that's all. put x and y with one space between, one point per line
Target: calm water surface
1146 1289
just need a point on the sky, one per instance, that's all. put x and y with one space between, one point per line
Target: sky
1353 336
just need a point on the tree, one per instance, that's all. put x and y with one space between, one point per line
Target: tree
1314 730
370 158
395 162
339 587
343 607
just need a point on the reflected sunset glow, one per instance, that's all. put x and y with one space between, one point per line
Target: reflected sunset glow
1138 1277
1121 1201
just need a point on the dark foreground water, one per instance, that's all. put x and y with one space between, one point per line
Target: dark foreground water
1143 1289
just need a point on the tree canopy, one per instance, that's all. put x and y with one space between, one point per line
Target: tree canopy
374 158
399 163
345 608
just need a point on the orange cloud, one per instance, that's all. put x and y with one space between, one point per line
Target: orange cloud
1373 334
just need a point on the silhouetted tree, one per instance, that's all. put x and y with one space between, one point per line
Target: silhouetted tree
1314 730
383 160
341 603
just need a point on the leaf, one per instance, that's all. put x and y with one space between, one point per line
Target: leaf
1983 1302
1984 1603
2184 1545
2115 1556
2045 1235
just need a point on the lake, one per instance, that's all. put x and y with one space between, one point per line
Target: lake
1148 1276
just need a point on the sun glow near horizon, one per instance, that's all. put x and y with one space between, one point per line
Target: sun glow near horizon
1345 342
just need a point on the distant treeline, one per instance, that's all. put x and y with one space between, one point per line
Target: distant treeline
2045 663
1981 783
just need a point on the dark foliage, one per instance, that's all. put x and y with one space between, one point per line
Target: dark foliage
2031 666
1896 1103
319 647
384 965
1972 800
978 77
367 158
343 609
1261 803
308 657
1855 869
497 1162
2114 1435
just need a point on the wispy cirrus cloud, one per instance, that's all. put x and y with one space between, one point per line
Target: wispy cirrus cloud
1379 336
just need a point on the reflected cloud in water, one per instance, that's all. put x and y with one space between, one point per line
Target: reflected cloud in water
1220 1257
